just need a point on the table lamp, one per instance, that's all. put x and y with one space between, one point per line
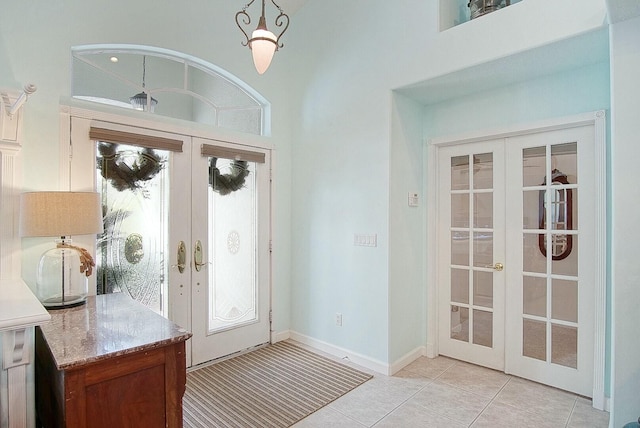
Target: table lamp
61 279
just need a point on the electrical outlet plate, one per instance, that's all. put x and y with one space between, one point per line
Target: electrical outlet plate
362 240
339 320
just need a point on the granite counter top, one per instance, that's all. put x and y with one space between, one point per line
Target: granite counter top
106 326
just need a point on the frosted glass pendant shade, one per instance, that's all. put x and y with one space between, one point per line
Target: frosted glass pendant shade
263 46
139 102
59 280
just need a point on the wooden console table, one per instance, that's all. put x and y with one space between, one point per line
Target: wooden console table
110 363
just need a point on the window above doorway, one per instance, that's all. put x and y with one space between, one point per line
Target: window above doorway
185 87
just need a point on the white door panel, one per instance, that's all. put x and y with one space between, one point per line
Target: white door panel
551 280
471 244
231 288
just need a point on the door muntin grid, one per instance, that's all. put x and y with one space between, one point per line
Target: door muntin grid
472 245
550 278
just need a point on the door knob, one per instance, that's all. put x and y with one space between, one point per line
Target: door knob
498 266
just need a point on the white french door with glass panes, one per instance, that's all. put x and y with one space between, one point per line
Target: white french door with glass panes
516 255
187 229
551 275
472 249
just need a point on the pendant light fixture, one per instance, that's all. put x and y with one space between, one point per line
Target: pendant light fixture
142 101
263 43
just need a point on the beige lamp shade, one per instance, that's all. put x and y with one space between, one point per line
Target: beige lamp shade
60 214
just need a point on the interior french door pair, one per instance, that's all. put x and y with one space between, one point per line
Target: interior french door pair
186 224
516 255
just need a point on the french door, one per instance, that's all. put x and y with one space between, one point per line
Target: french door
187 229
472 249
231 255
516 265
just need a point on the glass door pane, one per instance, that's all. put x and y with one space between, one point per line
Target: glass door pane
470 209
131 253
471 203
232 243
550 258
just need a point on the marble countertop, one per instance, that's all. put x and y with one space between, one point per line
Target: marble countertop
20 308
106 326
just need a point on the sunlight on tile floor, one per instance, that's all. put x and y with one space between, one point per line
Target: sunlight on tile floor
442 392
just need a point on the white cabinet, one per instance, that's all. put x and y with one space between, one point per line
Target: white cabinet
21 312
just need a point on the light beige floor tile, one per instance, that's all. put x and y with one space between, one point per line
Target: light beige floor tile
537 398
479 380
411 414
585 416
377 397
502 415
430 367
328 418
448 401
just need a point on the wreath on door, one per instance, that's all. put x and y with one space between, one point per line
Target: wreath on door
128 171
230 182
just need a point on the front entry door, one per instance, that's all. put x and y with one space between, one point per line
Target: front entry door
187 229
516 263
231 253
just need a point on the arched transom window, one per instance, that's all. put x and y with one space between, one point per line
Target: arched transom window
180 86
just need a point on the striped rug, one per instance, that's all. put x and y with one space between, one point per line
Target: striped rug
275 386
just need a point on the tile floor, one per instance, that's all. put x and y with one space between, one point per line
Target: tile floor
442 392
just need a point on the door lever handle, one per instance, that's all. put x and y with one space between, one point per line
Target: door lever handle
182 257
498 266
197 256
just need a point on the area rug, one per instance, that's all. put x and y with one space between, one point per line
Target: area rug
275 386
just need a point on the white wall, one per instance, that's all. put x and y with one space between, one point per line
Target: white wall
349 153
580 90
407 228
625 131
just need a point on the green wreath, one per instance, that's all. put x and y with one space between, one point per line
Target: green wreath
227 183
123 176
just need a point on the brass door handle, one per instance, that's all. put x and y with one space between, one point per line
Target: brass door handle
498 266
197 256
182 257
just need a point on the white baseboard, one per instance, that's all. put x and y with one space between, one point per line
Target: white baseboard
280 336
362 360
336 351
407 359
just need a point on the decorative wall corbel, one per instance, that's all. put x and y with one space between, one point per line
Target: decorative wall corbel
11 101
12 107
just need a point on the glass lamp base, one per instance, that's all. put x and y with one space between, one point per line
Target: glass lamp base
59 282
67 302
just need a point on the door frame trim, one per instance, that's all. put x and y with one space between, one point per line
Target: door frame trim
70 108
431 153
